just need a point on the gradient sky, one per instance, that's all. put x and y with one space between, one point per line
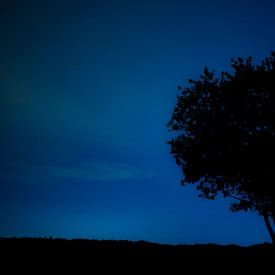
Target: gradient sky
86 89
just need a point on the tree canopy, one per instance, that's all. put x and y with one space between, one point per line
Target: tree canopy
225 134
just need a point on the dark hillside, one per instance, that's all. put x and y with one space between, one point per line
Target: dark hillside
122 254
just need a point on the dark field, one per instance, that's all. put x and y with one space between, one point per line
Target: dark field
28 253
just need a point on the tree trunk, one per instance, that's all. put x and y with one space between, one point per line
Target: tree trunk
269 228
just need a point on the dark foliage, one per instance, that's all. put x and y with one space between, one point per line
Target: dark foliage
226 135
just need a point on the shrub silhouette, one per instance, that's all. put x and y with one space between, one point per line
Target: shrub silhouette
225 141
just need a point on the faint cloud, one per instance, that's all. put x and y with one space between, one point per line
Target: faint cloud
96 171
100 171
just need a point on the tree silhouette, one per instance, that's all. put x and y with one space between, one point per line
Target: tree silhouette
226 134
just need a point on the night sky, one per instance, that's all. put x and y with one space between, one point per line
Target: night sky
86 90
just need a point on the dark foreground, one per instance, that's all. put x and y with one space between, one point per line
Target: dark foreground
136 257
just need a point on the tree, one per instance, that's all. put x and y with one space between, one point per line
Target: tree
225 142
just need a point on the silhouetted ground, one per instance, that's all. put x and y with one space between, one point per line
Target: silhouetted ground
50 254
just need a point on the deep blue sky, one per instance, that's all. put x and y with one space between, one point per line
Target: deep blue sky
86 90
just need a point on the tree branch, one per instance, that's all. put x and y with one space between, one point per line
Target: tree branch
234 197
